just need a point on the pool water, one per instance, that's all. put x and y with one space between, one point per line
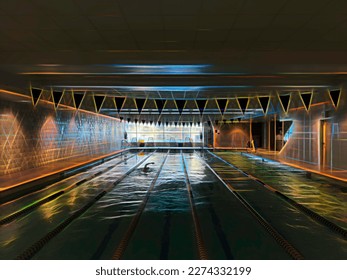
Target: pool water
165 228
323 195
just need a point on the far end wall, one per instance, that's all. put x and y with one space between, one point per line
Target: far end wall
233 135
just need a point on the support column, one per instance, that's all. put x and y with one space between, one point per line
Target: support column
282 134
251 135
268 134
275 146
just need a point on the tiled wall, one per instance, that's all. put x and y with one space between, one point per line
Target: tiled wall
337 145
33 137
305 143
336 157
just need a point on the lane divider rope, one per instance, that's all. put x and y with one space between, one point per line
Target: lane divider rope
123 244
33 206
313 215
202 251
38 245
284 243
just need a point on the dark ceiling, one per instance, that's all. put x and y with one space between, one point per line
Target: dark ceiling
163 48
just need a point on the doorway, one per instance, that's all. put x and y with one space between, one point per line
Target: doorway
323 143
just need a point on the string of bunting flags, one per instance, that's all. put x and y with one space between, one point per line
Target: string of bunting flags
264 102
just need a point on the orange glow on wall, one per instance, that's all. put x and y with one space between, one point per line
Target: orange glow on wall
12 143
233 136
48 138
35 137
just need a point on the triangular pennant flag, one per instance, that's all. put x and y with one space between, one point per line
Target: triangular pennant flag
285 99
160 104
243 102
306 99
57 96
222 104
180 103
335 97
119 103
159 123
140 102
201 103
98 101
143 121
264 103
36 94
78 98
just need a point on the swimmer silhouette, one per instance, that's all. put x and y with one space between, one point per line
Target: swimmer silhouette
146 168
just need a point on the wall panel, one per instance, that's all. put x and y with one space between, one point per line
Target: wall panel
33 137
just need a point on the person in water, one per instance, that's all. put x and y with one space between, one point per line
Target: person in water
146 168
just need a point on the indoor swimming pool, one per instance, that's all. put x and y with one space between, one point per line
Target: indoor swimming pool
326 196
183 205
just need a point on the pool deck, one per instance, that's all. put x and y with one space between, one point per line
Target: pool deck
20 178
335 174
28 176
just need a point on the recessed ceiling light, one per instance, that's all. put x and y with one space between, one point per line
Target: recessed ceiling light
49 65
